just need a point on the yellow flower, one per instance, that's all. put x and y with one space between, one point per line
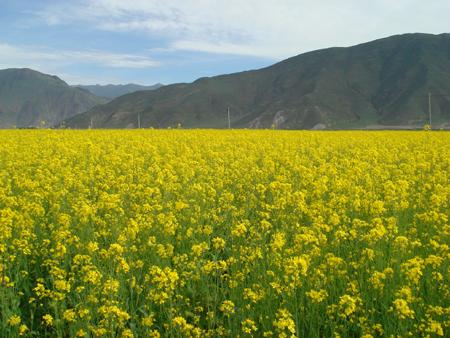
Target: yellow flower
284 324
179 205
199 249
127 333
402 308
179 321
147 321
14 320
413 269
62 286
23 329
47 319
436 328
218 243
347 305
164 282
239 230
81 333
249 326
278 241
111 286
227 307
254 295
317 296
377 280
114 313
69 315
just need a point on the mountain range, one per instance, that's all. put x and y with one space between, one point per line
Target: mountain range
376 84
387 83
112 91
29 98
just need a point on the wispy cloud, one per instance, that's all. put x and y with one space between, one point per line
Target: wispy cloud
225 48
269 28
32 56
110 59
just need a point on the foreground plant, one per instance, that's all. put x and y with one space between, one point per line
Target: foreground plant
224 233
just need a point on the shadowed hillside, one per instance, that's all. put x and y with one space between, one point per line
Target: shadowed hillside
29 98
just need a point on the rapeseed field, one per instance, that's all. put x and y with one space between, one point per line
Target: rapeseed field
176 233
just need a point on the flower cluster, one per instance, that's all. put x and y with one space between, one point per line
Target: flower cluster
200 233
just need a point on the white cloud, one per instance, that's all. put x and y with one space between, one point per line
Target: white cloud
264 28
224 48
31 56
110 59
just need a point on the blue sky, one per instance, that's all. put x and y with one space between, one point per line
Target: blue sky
150 41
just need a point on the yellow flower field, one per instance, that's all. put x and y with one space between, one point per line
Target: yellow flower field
177 233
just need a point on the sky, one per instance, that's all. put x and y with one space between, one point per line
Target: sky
170 41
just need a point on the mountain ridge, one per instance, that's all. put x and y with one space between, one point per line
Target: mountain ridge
29 98
111 91
384 82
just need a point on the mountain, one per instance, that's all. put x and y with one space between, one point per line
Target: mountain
29 98
380 83
112 91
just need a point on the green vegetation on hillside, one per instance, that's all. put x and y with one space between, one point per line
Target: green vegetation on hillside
29 98
381 82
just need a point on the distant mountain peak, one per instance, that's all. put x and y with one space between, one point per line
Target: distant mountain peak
28 98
